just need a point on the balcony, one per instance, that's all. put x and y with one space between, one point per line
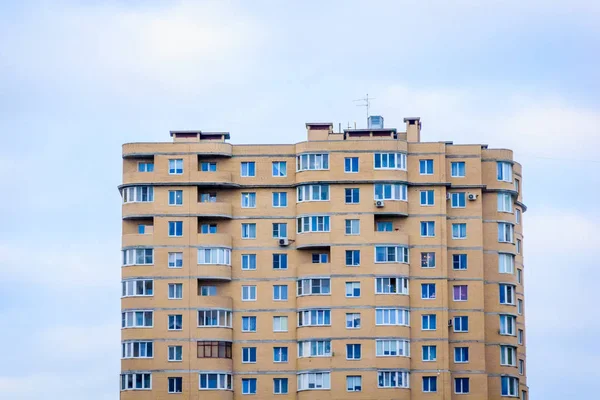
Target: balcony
213 302
214 210
311 240
213 272
204 148
135 239
214 239
217 178
391 208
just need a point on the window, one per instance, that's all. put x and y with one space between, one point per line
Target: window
354 383
429 322
280 385
461 292
457 169
426 167
504 202
461 354
461 324
248 261
353 351
280 292
175 322
208 166
219 256
137 349
279 261
523 395
314 318
517 216
519 276
391 285
176 166
505 232
459 261
429 353
313 286
314 380
392 379
248 354
138 194
459 231
428 260
280 324
249 231
280 354
390 161
461 385
384 226
352 227
279 230
142 229
145 167
208 290
175 260
314 348
519 306
307 162
458 200
248 169
427 228
312 193
175 197
392 348
428 291
216 318
352 195
510 386
139 381
508 355
517 185
507 294
507 324
279 199
352 289
352 320
175 385
175 228
248 200
429 384
249 324
175 291
504 171
208 228
175 353
518 246
315 223
392 316
351 164
138 257
320 258
352 258
136 319
208 198
279 169
520 336
391 254
506 263
390 191
215 381
248 293
521 367
137 287
427 197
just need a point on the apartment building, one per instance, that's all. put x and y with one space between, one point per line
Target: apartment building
362 264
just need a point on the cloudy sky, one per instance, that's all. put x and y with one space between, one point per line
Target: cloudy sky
79 78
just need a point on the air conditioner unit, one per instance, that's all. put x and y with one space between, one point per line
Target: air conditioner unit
472 196
448 195
284 242
379 203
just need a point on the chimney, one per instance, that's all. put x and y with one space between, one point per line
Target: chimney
413 129
319 130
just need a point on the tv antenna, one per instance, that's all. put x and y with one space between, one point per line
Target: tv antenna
365 102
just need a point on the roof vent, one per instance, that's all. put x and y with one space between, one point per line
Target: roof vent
375 122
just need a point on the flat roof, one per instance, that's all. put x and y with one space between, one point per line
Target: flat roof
226 134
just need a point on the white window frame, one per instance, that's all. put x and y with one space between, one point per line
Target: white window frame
278 322
172 353
249 292
129 319
351 287
177 322
222 316
426 162
352 191
392 316
424 195
175 291
353 383
517 216
398 161
426 326
458 165
279 352
314 317
277 165
351 170
401 254
318 192
506 232
426 227
429 379
427 353
351 319
143 166
214 256
521 366
175 166
207 291
391 285
509 293
459 226
224 381
351 351
393 379
177 384
175 259
245 165
458 200
397 192
506 263
132 378
144 347
392 348
279 196
314 348
355 255
138 194
130 288
458 327
508 356
429 295
520 334
352 226
177 200
209 167
458 352
248 262
520 306
427 261
504 171
277 230
314 381
138 256
278 386
312 162
249 231
461 287
313 224
512 385
247 355
175 225
279 291
462 389
249 319
508 328
306 287
504 202
248 200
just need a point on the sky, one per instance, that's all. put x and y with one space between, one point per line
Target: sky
79 78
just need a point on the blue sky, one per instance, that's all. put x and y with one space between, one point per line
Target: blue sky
79 78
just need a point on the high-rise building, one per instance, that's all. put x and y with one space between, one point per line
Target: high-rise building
362 264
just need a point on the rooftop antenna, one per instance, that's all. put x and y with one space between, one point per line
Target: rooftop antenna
365 102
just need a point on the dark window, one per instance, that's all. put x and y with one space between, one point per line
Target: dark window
214 349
